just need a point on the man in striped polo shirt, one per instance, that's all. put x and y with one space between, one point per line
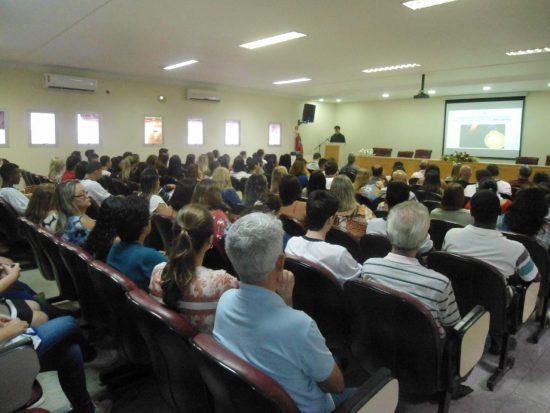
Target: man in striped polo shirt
407 227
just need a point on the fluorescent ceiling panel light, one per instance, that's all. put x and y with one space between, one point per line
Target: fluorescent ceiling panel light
548 84
286 82
529 51
388 68
322 100
486 87
431 92
385 95
421 4
273 40
181 64
338 100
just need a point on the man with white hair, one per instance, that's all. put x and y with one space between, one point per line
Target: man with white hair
258 324
408 224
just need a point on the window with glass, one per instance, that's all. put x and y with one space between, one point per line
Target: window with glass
87 127
42 128
232 132
274 134
195 132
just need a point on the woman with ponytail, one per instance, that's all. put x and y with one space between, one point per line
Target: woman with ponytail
183 284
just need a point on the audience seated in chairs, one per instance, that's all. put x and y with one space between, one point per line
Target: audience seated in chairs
130 256
255 186
150 185
11 176
397 193
71 202
321 212
527 215
524 173
351 216
276 176
70 165
432 180
207 194
350 169
95 191
503 187
331 170
183 284
421 170
182 193
481 240
41 209
222 179
464 175
256 321
57 346
317 180
299 170
452 206
102 237
407 228
291 204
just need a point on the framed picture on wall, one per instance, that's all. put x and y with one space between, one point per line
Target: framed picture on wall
153 130
3 128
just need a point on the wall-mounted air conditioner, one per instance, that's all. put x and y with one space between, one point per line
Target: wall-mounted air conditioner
69 83
203 95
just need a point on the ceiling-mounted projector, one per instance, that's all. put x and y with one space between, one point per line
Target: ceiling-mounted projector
421 94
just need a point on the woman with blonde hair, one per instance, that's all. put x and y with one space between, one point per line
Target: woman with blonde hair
71 202
276 176
351 216
361 179
222 179
203 165
183 284
57 166
125 169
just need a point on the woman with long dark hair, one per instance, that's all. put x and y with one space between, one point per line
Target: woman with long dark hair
183 283
101 238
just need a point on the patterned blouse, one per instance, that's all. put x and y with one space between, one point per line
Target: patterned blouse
354 221
198 305
75 232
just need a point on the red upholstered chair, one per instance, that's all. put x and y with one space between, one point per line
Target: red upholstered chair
20 366
342 238
374 245
405 154
431 204
237 386
292 226
422 195
30 230
527 160
48 243
77 261
112 287
438 229
167 335
382 151
319 295
542 260
394 330
423 153
477 283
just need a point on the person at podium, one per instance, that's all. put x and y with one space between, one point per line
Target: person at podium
337 137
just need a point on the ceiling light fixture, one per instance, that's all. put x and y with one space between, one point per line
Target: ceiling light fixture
529 51
421 4
321 100
431 92
338 100
486 88
388 68
181 64
286 82
273 40
385 95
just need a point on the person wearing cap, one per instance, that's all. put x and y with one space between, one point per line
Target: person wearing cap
11 176
94 189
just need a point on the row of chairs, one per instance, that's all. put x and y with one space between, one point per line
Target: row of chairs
32 179
418 153
191 369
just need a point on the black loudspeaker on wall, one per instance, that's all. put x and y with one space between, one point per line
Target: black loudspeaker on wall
308 115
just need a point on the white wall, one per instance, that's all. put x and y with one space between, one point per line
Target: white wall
122 112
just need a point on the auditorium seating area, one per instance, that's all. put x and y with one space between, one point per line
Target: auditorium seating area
387 342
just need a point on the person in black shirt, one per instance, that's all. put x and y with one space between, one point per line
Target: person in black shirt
337 137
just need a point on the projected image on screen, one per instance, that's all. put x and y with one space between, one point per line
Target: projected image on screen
486 128
482 136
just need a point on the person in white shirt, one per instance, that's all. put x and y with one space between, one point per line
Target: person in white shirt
106 164
503 187
331 170
396 193
320 214
94 189
11 176
422 169
471 189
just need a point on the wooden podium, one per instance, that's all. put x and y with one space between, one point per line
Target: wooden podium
332 150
